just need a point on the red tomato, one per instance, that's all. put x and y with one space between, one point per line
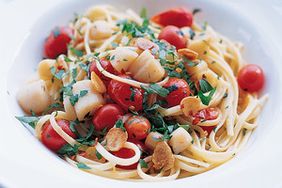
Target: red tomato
125 95
137 127
106 116
205 114
143 148
173 36
179 17
57 42
107 66
125 153
251 78
179 89
51 139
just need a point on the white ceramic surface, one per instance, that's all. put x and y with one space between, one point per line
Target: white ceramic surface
26 163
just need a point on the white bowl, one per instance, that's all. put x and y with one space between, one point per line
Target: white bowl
27 163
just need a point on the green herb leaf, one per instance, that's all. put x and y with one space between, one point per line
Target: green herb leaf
31 120
74 73
206 99
83 93
205 86
68 150
59 74
143 163
74 99
68 60
82 166
76 52
156 89
119 124
132 95
98 155
52 106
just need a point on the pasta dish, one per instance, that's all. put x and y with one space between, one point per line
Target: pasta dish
125 96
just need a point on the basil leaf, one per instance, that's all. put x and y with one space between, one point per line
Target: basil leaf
205 86
206 99
76 52
119 124
83 93
82 166
59 74
98 155
156 89
68 150
143 163
31 120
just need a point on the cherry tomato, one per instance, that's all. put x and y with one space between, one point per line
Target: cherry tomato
125 153
179 17
137 127
107 66
106 116
50 137
125 95
57 42
143 148
173 36
251 78
205 114
179 89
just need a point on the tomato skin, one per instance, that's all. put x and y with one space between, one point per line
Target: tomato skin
57 42
121 92
106 116
181 91
143 148
51 139
107 66
125 153
173 36
137 127
178 17
205 114
251 78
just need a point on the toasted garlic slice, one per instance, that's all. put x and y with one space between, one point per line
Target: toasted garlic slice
98 84
191 104
115 139
190 54
163 157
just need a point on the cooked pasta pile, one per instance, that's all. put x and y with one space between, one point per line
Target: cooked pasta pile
212 120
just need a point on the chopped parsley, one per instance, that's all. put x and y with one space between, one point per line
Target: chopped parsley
57 73
82 166
68 150
206 98
31 120
76 52
132 95
143 163
98 155
74 98
156 89
119 124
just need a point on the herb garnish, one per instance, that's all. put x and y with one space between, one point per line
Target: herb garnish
82 166
68 150
57 74
31 120
76 52
119 124
156 89
143 163
98 155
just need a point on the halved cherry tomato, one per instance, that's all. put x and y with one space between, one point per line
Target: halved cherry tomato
107 66
179 89
57 42
143 148
125 95
173 36
125 153
251 78
179 17
106 116
51 139
137 127
205 114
